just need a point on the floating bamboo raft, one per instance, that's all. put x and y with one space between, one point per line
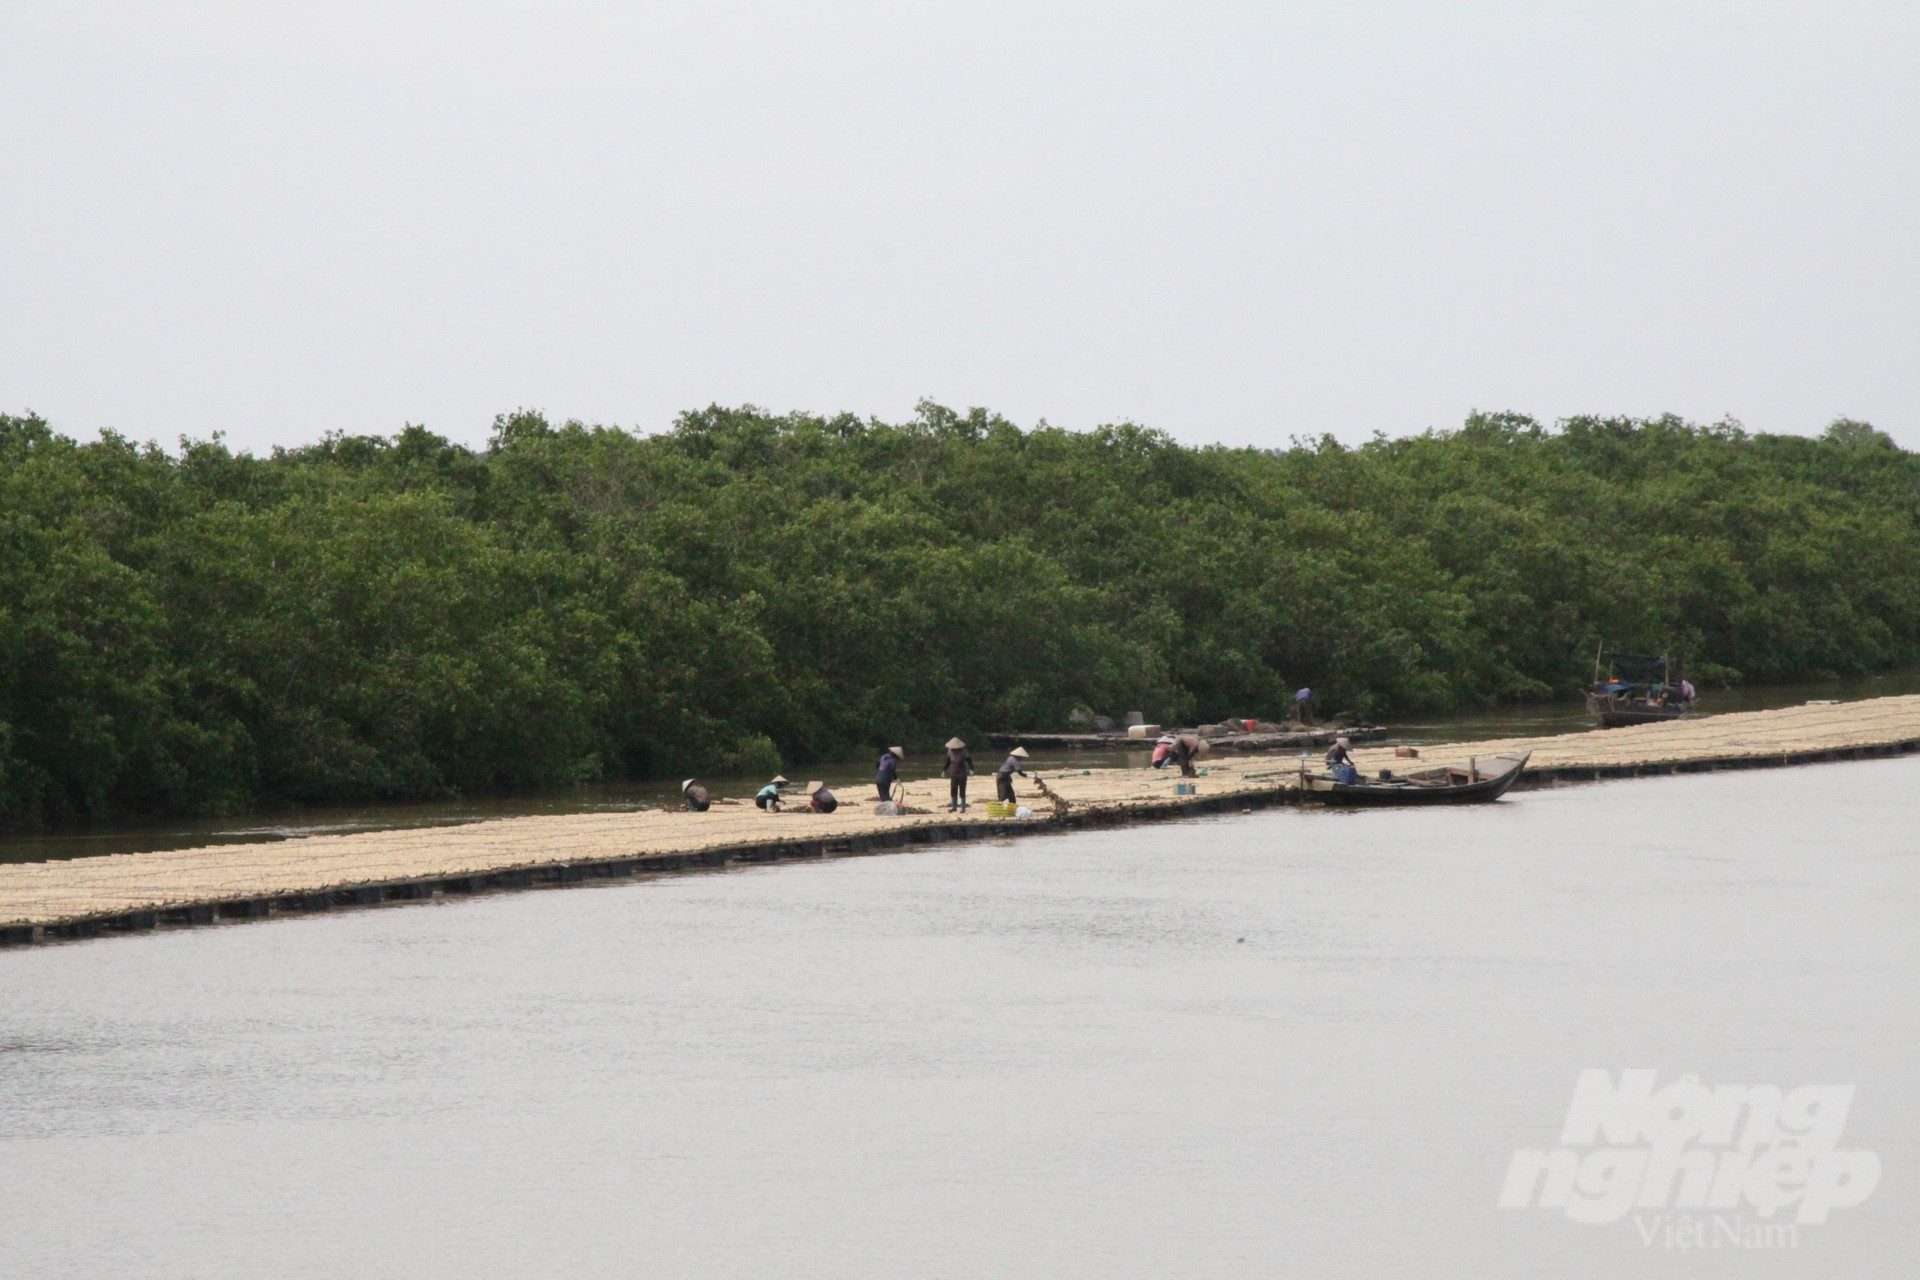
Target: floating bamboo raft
85 897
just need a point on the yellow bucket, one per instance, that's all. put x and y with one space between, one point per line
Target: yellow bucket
1001 808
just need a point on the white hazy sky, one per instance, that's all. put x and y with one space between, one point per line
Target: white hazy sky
1236 222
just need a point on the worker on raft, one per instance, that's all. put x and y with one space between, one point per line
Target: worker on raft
1163 751
768 797
1188 747
695 795
1340 761
821 800
886 771
959 766
1016 762
1303 706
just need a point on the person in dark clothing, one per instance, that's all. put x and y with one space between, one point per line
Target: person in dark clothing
1187 748
1340 761
886 772
821 800
1003 776
959 766
695 795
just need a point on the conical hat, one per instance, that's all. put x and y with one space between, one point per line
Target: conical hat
954 744
899 751
815 786
779 781
1019 751
686 784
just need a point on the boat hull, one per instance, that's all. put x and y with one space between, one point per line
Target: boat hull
1612 715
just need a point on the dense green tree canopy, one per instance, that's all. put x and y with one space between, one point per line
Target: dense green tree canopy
386 617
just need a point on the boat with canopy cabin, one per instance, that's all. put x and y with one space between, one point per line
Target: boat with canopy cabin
1636 688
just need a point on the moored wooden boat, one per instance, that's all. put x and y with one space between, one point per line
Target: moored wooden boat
1635 688
1477 783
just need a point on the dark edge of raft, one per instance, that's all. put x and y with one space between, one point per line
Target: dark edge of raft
720 857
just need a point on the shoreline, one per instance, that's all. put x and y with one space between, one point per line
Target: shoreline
136 893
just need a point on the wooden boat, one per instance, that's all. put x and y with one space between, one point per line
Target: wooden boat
1477 783
1634 688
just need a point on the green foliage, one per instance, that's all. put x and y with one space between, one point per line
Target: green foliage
374 617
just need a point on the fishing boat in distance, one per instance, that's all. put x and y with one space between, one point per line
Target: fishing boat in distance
1479 782
1636 688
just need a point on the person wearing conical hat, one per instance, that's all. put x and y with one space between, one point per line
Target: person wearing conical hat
695 795
821 800
959 766
886 771
1016 762
768 797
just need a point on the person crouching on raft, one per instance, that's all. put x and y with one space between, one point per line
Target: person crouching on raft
1340 761
695 795
821 800
959 765
1162 751
886 771
1015 762
768 797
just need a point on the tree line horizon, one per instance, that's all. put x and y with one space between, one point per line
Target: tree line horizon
387 617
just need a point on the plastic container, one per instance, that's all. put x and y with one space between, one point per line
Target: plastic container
1000 808
1185 789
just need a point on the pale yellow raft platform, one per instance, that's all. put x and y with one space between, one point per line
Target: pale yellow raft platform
86 897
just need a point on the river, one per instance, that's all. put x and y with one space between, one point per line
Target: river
1287 1043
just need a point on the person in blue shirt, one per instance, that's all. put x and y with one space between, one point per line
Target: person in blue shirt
768 797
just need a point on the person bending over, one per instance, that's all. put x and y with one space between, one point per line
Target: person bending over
1015 762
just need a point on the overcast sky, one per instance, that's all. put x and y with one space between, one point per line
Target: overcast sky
1235 222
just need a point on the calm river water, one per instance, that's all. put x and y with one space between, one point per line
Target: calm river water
1292 1043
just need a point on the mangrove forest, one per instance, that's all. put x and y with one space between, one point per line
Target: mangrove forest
198 630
